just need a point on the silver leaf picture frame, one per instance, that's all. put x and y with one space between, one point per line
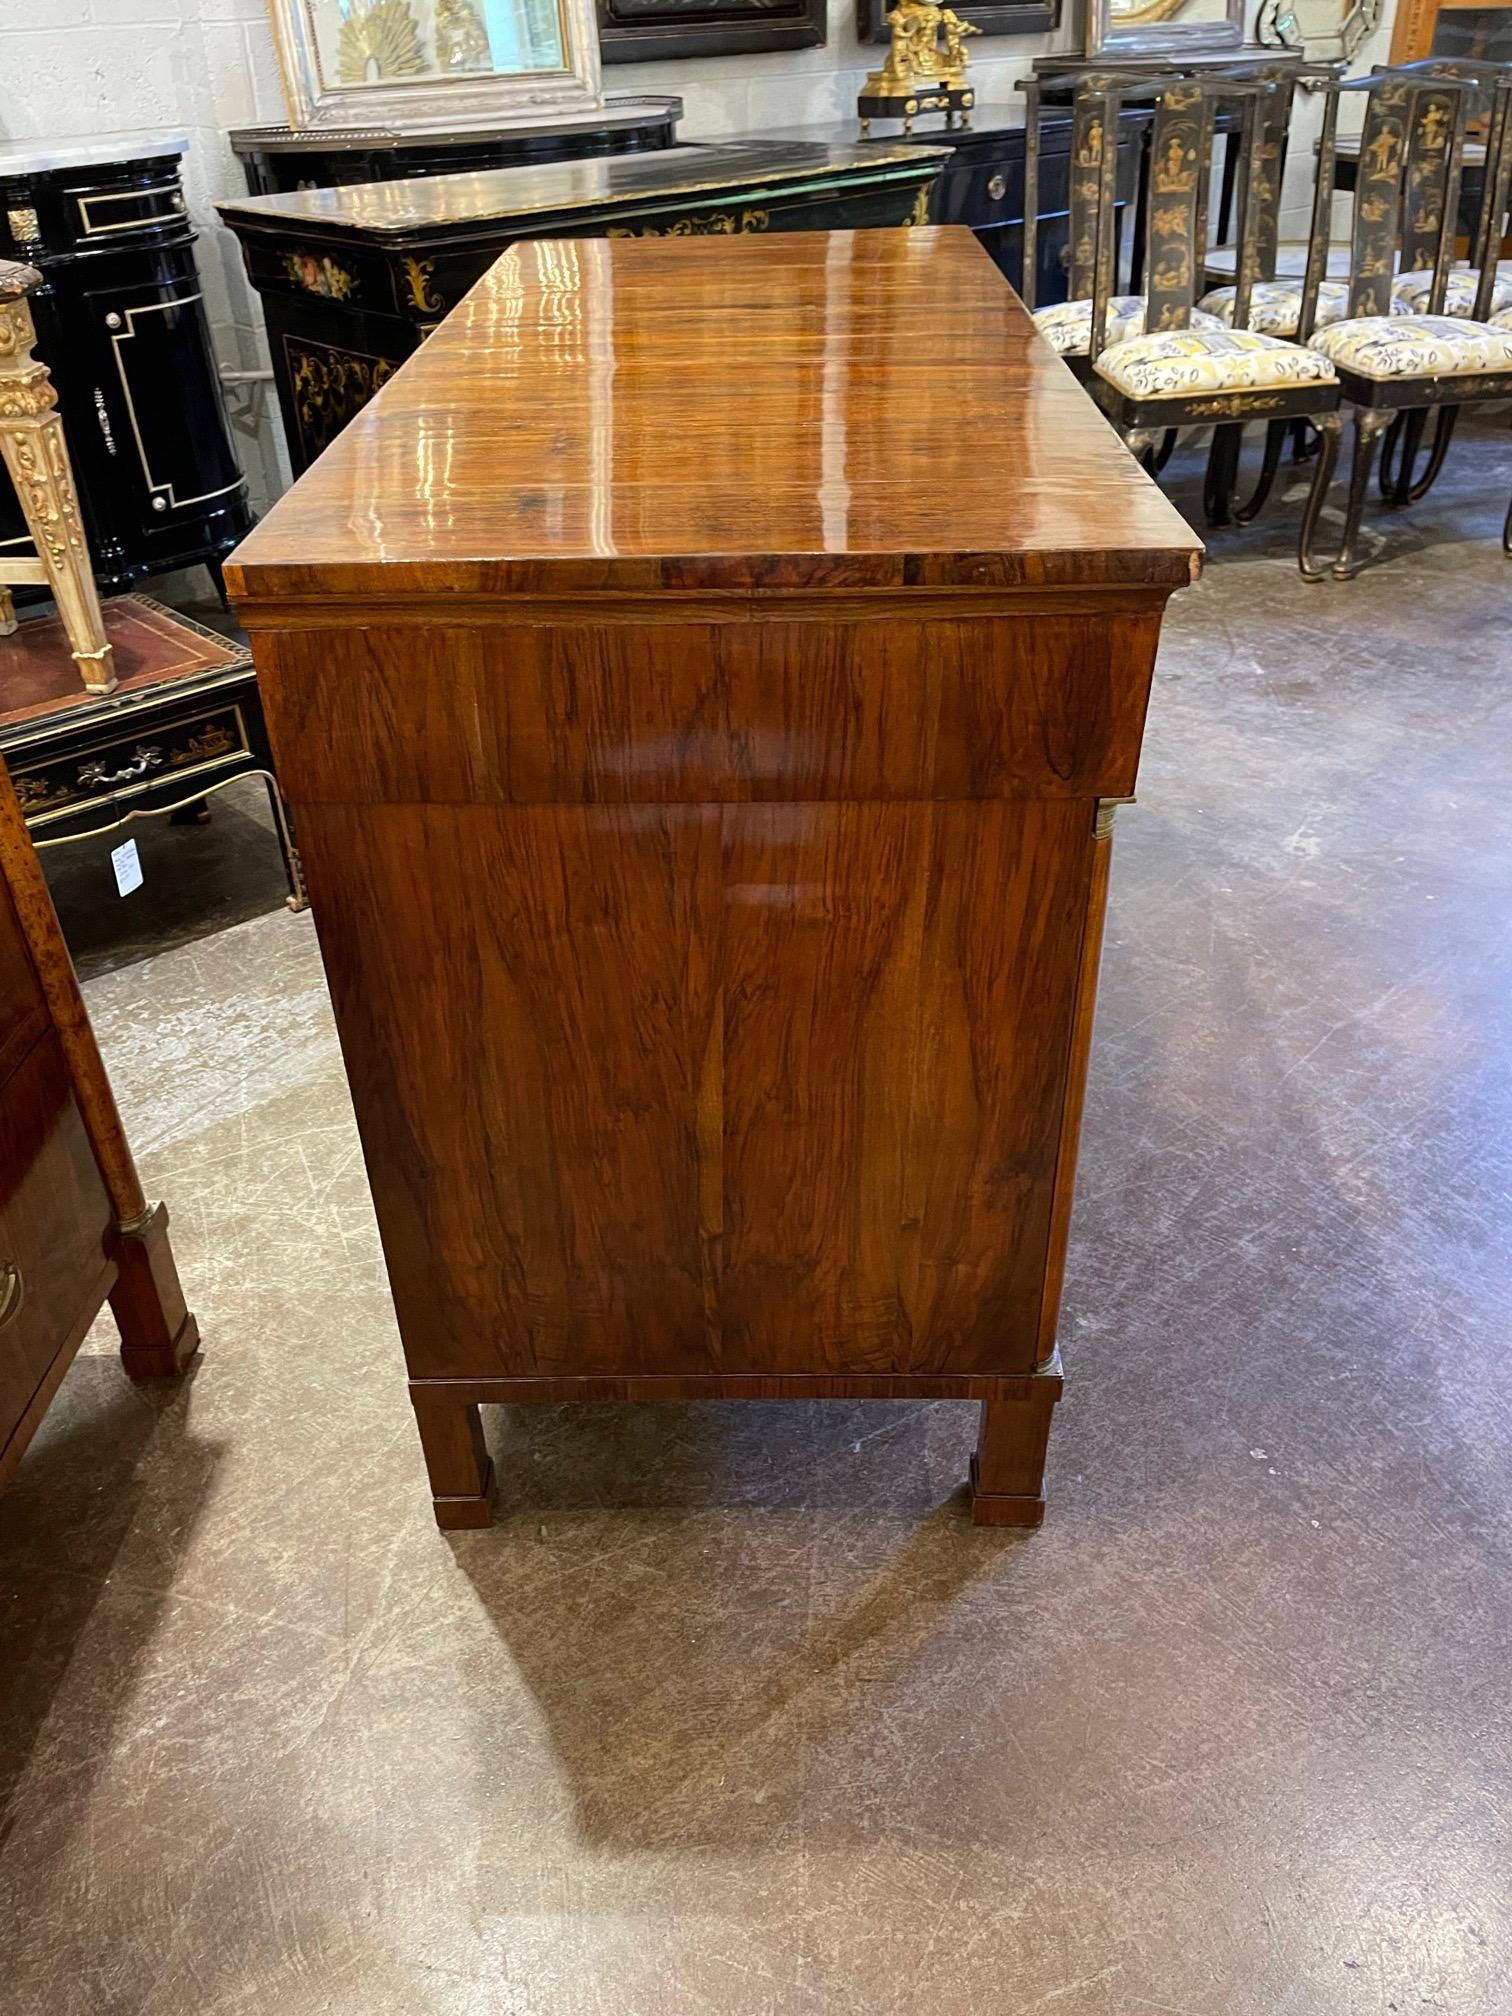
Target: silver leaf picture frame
418 66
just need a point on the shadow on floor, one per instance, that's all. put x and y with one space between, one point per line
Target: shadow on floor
80 1494
694 1652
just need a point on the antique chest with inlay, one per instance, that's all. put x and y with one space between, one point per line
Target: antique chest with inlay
701 679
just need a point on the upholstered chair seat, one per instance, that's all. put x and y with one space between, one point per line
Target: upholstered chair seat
1276 305
1414 346
1410 291
1173 363
1067 327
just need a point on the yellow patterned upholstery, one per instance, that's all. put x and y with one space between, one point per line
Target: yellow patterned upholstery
1175 362
1502 321
1275 305
1410 291
1414 346
1067 327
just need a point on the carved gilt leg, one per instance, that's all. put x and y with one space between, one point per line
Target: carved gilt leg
34 451
460 1468
7 614
158 1334
1008 1469
1370 423
1329 426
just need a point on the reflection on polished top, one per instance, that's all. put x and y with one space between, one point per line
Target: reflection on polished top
430 203
867 409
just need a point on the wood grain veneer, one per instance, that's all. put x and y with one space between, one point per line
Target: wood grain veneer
75 1226
696 694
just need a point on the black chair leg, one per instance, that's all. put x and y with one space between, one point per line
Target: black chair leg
1399 456
1329 426
1370 424
1165 451
1507 534
1222 474
1443 435
1275 441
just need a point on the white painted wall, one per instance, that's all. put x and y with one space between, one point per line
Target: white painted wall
98 69
106 68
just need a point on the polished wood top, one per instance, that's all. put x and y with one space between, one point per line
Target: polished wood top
432 205
820 409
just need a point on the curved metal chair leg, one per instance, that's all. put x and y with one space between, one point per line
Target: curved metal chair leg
1220 480
1370 423
1443 435
1329 426
1275 441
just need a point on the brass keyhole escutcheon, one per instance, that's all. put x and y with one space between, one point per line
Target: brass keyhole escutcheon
997 188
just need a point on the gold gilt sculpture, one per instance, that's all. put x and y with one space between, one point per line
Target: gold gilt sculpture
461 40
925 69
379 40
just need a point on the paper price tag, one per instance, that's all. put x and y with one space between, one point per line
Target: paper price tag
128 867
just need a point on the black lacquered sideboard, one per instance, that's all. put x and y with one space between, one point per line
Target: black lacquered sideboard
277 160
121 325
352 280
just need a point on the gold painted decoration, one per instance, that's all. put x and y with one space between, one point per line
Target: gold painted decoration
722 224
330 388
377 41
418 279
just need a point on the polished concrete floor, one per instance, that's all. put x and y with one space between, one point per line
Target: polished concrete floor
733 1711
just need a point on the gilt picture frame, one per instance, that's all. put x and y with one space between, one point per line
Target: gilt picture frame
420 66
1156 28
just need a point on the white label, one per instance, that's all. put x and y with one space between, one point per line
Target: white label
127 866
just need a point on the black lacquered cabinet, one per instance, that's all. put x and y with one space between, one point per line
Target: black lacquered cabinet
121 325
352 280
277 160
981 184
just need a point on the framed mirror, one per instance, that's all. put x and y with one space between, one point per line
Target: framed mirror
1326 31
1174 28
423 65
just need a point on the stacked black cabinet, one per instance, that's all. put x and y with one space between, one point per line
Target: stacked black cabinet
121 325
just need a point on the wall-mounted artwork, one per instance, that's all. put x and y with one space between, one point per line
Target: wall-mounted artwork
1013 17
422 65
634 31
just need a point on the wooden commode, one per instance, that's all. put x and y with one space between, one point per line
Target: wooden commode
701 680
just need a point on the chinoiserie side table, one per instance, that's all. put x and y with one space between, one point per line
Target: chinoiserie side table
701 706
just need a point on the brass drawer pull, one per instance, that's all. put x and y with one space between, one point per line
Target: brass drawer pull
11 1291
997 188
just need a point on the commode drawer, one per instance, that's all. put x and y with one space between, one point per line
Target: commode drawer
54 1219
